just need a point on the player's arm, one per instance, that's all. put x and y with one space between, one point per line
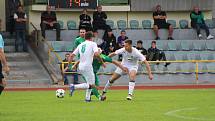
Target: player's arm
148 69
72 55
75 65
3 60
120 66
117 52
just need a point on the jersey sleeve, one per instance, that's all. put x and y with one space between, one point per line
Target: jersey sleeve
76 51
95 48
120 51
106 58
1 42
140 56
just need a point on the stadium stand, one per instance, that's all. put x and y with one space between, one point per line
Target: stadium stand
71 25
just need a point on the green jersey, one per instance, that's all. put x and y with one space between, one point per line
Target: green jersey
97 64
78 41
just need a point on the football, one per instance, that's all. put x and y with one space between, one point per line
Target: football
60 93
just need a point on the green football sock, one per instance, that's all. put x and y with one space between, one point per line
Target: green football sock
96 93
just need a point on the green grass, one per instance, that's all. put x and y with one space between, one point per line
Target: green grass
147 105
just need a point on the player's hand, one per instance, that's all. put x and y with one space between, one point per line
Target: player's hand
125 69
74 67
7 70
150 76
104 65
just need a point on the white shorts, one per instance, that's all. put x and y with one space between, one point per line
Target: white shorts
130 68
88 75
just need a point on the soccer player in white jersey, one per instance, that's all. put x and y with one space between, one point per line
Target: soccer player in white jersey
131 57
86 50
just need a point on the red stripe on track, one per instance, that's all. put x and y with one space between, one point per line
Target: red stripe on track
122 88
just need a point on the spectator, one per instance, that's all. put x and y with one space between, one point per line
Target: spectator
99 19
159 17
80 38
13 6
140 47
110 42
49 21
68 68
96 39
198 22
20 27
85 21
121 39
154 54
4 62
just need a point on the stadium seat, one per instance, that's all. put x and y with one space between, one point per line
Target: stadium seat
110 23
210 23
69 46
71 25
210 45
211 56
180 55
199 45
57 45
134 24
172 68
121 24
162 44
172 22
187 68
110 68
204 55
146 24
174 45
191 55
41 1
183 24
186 45
61 24
202 68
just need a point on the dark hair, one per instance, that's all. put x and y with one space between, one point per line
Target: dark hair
88 35
139 41
128 41
122 31
154 41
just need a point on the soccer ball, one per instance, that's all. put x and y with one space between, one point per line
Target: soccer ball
60 93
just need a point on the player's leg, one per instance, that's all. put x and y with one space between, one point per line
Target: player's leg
90 78
132 76
95 90
2 80
1 86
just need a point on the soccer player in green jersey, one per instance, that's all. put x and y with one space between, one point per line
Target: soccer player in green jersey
81 38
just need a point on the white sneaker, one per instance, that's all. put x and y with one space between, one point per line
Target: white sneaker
200 36
129 97
210 37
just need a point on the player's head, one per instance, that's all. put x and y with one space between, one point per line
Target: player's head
153 44
109 32
128 45
95 33
84 11
99 8
20 8
67 56
139 43
82 32
158 7
88 36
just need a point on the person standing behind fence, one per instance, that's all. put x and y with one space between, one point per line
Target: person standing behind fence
85 21
20 27
4 62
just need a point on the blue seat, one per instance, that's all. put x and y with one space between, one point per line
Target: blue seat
146 24
110 23
210 45
211 68
134 24
199 45
180 55
187 68
71 25
174 45
183 24
172 22
162 44
57 45
61 24
186 45
69 46
210 23
121 24
202 68
41 1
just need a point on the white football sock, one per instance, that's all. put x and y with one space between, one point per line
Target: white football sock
108 85
81 86
131 87
88 94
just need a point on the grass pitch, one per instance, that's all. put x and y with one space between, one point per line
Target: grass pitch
147 105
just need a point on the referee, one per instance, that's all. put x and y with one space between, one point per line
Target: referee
4 62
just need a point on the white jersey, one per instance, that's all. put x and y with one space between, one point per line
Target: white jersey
86 51
130 59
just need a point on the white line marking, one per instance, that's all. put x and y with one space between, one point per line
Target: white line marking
173 114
